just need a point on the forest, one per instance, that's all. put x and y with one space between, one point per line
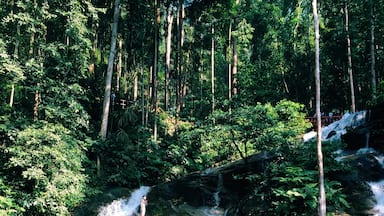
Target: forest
99 94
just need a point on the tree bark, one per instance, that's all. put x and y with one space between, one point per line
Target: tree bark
180 61
108 78
136 85
168 56
213 69
119 63
373 57
234 66
155 68
234 57
230 66
322 200
349 54
142 92
16 56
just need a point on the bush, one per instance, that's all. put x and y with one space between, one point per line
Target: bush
45 164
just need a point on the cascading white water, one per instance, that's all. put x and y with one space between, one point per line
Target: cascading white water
125 207
216 195
338 128
216 210
349 120
378 190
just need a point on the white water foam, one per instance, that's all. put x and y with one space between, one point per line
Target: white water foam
349 120
338 128
125 207
378 190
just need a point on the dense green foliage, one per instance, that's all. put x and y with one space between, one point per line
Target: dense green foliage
53 59
45 163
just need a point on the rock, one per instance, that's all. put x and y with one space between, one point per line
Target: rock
198 189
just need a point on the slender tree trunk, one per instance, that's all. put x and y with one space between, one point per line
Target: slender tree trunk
180 60
119 63
322 200
234 67
149 95
202 68
36 103
108 81
142 95
373 57
230 66
16 56
135 85
135 78
349 53
155 68
183 77
234 58
213 68
12 95
168 56
37 92
108 78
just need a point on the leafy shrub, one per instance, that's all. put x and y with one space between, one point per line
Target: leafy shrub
244 131
291 182
45 162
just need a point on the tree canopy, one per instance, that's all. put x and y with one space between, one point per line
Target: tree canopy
238 80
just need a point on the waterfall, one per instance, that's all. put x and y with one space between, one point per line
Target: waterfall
216 195
336 129
125 207
215 210
378 190
367 139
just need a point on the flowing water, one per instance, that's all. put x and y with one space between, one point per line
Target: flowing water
125 207
215 210
378 190
335 130
130 207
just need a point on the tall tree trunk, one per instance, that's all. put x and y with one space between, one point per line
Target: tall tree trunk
12 95
108 78
213 68
135 77
136 85
349 54
322 200
234 57
180 60
373 57
108 81
119 63
234 66
155 68
142 92
16 56
149 95
37 92
230 66
168 56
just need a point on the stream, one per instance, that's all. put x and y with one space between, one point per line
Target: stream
333 132
125 207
